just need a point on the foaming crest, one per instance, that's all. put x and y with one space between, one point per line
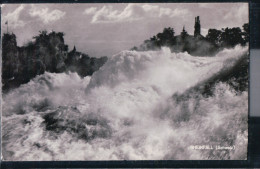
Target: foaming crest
132 108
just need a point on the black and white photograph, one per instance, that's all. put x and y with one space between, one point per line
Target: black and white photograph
124 81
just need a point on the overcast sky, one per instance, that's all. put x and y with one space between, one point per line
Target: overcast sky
105 29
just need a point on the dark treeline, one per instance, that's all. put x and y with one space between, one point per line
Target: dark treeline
47 52
197 45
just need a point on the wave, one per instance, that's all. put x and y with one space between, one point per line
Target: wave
138 106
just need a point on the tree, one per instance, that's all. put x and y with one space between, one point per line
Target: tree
230 37
214 36
166 37
246 32
134 48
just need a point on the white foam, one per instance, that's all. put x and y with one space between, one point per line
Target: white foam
131 94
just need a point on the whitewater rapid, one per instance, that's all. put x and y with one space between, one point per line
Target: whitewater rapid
127 110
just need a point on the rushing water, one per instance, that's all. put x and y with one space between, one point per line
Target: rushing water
138 106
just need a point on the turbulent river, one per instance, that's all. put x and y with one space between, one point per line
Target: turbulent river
138 106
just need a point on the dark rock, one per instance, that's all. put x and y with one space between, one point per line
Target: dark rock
70 119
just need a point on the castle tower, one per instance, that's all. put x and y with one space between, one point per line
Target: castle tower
197 26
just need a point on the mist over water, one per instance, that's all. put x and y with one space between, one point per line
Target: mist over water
129 110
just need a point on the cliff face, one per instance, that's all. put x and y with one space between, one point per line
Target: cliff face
10 59
47 52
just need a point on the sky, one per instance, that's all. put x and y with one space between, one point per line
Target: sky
108 28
